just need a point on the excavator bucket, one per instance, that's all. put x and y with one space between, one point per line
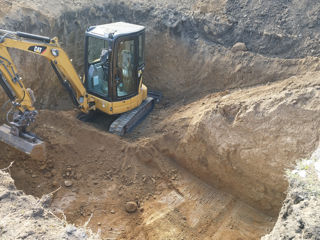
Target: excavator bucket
35 149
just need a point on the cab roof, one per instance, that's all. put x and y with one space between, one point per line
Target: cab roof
117 29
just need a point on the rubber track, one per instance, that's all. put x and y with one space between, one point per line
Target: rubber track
127 121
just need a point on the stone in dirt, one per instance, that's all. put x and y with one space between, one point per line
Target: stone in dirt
239 47
131 207
68 183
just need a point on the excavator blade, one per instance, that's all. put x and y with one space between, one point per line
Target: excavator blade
35 148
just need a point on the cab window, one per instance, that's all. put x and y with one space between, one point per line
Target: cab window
98 72
125 78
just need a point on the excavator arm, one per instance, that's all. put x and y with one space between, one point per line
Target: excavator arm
51 50
23 112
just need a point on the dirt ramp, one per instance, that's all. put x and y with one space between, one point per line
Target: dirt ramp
244 140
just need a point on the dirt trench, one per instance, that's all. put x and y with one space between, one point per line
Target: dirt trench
104 176
209 161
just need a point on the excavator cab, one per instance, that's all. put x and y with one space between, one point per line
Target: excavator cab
114 63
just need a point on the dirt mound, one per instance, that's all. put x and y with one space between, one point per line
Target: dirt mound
31 217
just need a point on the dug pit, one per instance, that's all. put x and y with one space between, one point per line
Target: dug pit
209 161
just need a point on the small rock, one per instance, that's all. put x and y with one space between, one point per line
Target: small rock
70 229
43 167
144 178
298 199
131 207
92 11
203 8
55 183
37 212
239 47
112 211
50 164
101 149
48 175
34 176
68 183
206 28
99 223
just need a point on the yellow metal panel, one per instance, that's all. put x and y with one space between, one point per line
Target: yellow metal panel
119 107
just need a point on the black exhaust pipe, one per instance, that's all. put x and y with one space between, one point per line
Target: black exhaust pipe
34 37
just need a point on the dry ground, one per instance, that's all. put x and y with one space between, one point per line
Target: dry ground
209 161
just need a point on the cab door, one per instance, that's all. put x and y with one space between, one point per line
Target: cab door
125 68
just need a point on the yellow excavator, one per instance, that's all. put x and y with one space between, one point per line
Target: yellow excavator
114 64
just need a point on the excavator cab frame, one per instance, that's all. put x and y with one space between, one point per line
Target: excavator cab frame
117 80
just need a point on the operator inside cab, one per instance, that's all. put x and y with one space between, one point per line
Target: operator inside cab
115 60
98 72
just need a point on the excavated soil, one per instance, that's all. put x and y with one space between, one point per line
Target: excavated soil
172 204
209 161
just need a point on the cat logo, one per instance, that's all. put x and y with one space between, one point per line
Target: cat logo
38 49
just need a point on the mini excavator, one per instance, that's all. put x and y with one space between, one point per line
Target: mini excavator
114 64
